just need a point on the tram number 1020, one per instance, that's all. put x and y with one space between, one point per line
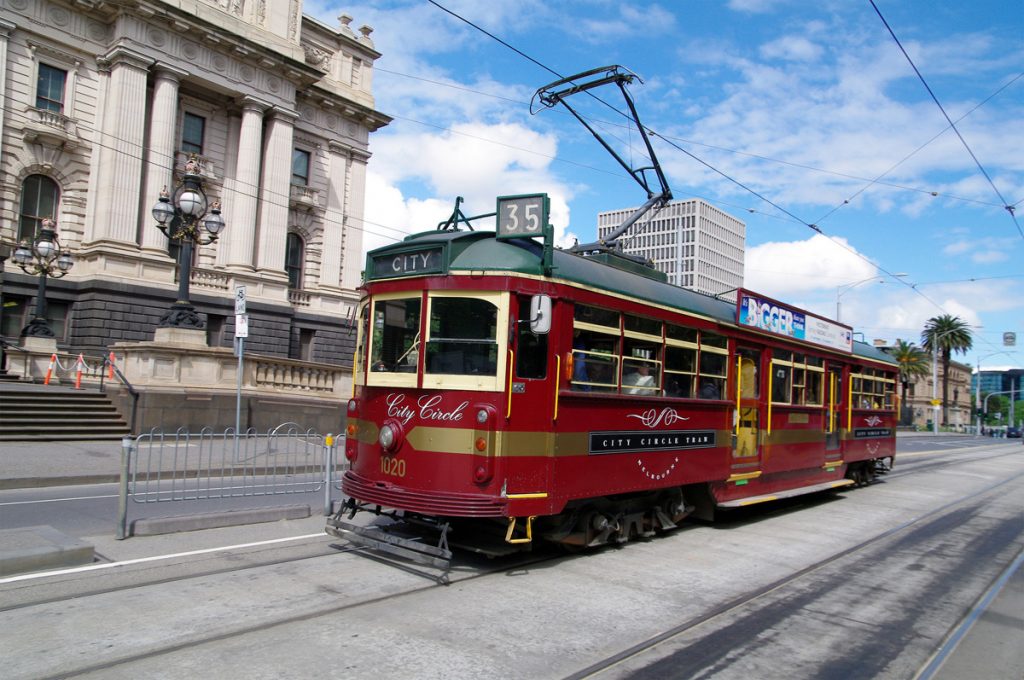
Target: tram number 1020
394 467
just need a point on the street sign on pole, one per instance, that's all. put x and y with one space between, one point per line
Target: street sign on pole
242 324
239 300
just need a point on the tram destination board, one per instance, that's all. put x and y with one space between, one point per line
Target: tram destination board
408 263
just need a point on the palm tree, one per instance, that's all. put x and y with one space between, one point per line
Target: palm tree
914 363
947 334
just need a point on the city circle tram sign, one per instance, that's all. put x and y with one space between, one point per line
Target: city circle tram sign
774 317
651 440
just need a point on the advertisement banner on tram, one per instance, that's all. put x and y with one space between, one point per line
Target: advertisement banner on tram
772 316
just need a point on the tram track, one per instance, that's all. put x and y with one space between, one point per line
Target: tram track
737 605
463 576
468 570
944 460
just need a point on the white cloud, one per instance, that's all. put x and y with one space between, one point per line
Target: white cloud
791 48
786 270
474 160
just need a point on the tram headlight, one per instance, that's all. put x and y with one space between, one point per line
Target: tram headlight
482 416
387 437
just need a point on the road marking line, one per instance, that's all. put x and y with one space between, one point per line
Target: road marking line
154 558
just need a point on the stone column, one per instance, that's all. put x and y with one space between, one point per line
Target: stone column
5 32
275 192
160 166
352 254
120 139
240 236
334 217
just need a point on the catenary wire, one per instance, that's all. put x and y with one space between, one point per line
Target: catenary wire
654 133
1009 208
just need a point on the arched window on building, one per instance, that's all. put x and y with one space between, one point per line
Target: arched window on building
40 197
295 254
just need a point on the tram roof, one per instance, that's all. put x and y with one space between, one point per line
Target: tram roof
480 250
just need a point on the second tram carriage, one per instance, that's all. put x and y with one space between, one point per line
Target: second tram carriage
585 400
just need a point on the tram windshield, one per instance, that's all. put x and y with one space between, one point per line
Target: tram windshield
456 346
463 337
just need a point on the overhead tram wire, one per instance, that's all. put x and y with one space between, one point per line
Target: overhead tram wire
654 133
621 113
245 189
715 147
915 151
1006 205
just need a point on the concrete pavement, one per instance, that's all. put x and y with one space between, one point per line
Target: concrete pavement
32 464
42 548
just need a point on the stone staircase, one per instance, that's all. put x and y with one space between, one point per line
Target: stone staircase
34 412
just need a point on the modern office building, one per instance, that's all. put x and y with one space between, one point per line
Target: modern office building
697 245
1000 379
103 105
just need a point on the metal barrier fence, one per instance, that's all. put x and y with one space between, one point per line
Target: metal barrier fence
158 467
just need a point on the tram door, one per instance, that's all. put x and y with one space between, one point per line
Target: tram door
530 388
748 413
834 408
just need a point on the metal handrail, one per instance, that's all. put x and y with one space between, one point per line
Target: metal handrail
114 370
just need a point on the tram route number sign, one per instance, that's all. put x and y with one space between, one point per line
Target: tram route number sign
523 216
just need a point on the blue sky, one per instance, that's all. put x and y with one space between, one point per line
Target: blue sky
805 103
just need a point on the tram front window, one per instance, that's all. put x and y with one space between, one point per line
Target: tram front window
395 342
463 337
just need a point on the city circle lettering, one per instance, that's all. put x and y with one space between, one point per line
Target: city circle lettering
427 407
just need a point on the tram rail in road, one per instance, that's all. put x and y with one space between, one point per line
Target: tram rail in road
874 594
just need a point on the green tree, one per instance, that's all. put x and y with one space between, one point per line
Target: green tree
946 334
914 362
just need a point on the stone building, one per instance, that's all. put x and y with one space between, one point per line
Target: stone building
103 103
958 407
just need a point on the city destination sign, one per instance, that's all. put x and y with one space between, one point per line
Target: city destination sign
774 317
408 263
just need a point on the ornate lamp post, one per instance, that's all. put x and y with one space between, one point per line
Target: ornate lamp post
45 257
179 217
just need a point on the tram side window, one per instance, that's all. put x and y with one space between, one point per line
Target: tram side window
531 349
361 337
681 346
782 376
813 381
395 342
873 389
595 344
463 337
641 356
680 371
714 360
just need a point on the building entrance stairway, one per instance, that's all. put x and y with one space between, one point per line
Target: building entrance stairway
35 412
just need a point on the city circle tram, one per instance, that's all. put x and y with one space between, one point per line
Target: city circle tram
507 391
505 388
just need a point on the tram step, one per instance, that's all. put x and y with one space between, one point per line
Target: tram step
787 493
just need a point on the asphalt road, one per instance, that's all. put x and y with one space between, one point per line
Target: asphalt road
868 583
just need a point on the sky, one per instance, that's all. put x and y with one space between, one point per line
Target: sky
805 120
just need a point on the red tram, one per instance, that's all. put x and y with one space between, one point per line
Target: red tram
576 396
585 400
